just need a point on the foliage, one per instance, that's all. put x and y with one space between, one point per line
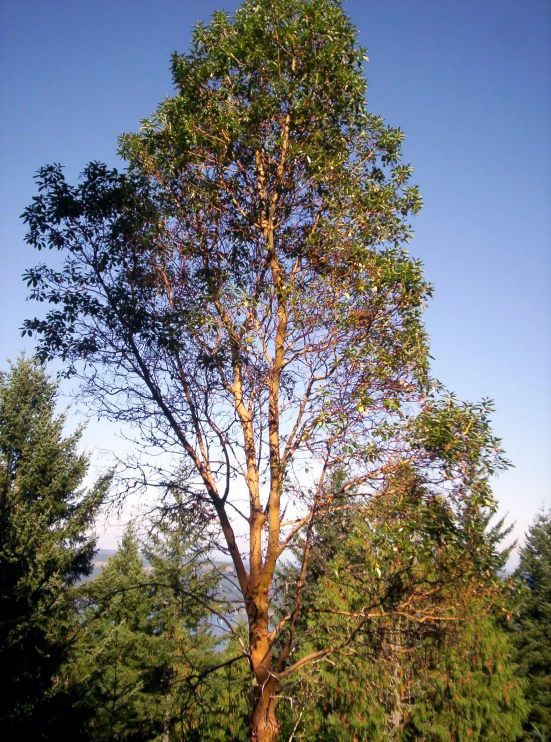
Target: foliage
454 685
121 661
149 665
208 700
429 660
44 550
141 662
532 634
467 687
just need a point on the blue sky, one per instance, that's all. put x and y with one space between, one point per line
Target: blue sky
469 83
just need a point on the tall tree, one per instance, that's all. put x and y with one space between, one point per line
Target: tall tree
532 630
44 550
242 294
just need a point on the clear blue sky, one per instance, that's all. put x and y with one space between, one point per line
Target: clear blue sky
469 83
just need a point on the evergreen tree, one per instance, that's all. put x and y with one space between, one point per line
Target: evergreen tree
148 657
533 624
44 551
463 684
121 662
431 662
199 704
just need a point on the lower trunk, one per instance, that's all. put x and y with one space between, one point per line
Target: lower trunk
264 726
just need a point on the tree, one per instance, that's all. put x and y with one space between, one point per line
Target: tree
190 608
450 684
121 661
147 660
241 293
532 632
467 687
432 662
44 550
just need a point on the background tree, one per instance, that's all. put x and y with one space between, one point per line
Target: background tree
193 602
430 662
44 551
532 624
121 659
467 687
149 665
242 294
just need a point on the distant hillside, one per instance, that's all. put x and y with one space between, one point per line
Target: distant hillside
101 558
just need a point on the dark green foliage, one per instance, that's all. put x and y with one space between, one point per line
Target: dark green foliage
464 685
430 661
120 659
147 656
44 550
456 685
189 605
532 624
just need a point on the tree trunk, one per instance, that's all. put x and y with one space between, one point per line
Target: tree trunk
264 725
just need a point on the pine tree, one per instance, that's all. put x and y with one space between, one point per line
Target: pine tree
431 661
532 633
148 657
44 550
198 702
121 661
